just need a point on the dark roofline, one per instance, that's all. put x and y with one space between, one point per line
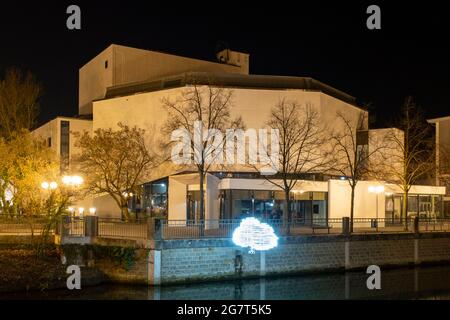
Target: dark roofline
228 80
85 117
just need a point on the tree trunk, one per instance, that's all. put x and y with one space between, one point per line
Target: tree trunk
352 207
202 197
124 210
202 203
405 208
287 216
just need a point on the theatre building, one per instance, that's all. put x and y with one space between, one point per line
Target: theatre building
128 85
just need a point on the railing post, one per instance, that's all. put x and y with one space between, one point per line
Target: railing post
91 226
65 226
155 226
346 226
416 225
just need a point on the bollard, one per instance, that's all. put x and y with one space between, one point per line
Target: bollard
346 226
65 225
154 228
91 226
416 224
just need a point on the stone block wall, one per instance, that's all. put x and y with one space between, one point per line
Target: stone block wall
181 261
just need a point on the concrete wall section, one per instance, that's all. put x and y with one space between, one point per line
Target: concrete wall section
217 259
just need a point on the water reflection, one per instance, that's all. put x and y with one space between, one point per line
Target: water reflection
406 283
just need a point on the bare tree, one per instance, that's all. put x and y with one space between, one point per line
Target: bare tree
114 162
203 112
351 153
19 94
301 147
412 151
443 165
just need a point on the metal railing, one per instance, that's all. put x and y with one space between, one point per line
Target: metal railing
21 225
219 228
223 228
73 226
434 224
185 229
382 225
117 228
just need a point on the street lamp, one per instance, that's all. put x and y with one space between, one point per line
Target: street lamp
75 181
377 190
49 185
81 211
92 211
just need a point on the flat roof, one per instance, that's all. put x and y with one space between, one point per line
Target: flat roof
228 80
434 120
84 117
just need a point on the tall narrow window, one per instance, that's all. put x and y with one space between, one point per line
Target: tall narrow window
65 146
362 144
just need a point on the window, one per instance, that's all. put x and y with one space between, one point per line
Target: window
362 137
65 145
106 64
154 201
49 142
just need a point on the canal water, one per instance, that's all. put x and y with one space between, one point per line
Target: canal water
403 283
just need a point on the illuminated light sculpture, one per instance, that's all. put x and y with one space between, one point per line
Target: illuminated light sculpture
255 234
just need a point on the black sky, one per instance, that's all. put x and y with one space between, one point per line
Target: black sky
410 55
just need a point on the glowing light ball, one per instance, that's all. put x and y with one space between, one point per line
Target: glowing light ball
255 234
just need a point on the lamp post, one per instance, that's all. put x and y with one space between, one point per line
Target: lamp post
72 182
377 190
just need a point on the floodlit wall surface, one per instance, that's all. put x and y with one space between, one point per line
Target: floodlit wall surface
118 65
183 261
146 111
52 129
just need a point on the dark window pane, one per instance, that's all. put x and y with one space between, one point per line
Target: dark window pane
362 137
65 145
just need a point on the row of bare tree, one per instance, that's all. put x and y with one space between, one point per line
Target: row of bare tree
116 162
306 146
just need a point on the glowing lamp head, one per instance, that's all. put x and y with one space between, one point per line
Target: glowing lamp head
77 180
45 185
53 185
92 211
67 180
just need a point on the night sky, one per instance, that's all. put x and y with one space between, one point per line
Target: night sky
410 55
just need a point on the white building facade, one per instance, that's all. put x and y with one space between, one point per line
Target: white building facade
128 85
